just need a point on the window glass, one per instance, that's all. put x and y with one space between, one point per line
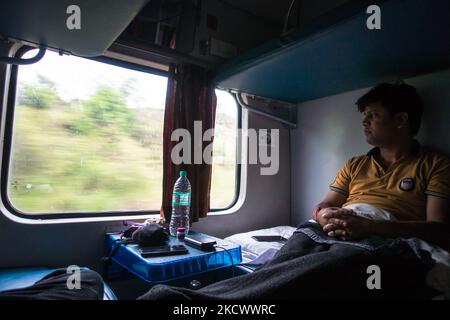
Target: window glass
224 174
87 137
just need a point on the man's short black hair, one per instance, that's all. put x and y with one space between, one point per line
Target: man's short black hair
398 97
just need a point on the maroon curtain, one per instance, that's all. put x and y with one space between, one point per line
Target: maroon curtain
190 97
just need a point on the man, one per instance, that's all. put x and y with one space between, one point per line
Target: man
397 176
396 191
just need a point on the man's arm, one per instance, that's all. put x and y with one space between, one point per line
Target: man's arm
337 195
437 233
438 209
435 230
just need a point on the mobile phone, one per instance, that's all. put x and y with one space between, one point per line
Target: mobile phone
167 250
269 238
201 242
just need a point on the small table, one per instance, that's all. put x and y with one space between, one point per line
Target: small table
167 268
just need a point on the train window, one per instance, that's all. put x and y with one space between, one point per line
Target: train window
224 172
87 139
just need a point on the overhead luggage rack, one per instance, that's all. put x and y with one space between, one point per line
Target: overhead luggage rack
338 53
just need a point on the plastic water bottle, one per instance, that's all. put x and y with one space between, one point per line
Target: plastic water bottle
181 203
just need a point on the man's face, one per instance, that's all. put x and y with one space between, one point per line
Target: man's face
379 126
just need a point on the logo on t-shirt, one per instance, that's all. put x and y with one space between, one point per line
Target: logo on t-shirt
407 184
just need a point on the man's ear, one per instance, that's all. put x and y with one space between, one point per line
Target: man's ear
401 119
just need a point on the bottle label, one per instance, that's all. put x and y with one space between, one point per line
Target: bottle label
181 199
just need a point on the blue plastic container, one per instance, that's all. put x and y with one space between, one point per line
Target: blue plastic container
162 269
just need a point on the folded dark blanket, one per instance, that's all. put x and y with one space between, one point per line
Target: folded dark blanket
309 269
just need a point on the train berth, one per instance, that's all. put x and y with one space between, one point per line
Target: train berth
256 253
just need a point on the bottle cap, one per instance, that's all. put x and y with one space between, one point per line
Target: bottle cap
183 173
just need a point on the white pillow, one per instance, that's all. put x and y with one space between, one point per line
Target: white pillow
256 247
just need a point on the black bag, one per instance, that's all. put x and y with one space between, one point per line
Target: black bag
152 234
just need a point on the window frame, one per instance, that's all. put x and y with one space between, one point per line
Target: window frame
7 146
7 115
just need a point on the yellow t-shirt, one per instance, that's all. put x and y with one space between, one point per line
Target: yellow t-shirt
402 189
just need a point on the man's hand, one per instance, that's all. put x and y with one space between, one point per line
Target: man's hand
346 225
324 214
333 199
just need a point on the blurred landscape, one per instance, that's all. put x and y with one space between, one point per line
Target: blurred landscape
98 154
